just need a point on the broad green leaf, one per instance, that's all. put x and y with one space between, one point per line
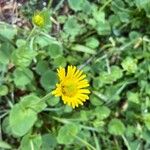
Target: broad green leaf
95 101
102 25
24 114
21 43
130 65
102 112
147 120
33 102
3 90
48 80
67 133
144 4
52 101
76 6
81 5
114 75
82 48
6 126
21 119
72 27
6 50
99 16
59 61
43 41
55 50
5 145
116 127
23 56
33 142
8 31
49 142
116 5
92 42
124 17
22 77
133 97
41 67
103 28
116 72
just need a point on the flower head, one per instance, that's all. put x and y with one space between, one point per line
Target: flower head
38 20
41 18
72 86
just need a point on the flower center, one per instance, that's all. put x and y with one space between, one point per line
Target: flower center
39 20
69 89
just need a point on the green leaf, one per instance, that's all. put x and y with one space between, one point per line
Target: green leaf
92 42
81 5
8 31
72 27
41 67
130 65
6 126
21 119
102 112
116 73
124 16
67 133
31 142
76 6
133 97
52 101
116 127
24 114
99 16
144 4
55 49
82 48
33 102
43 41
49 142
48 80
147 120
5 52
23 56
103 28
95 101
59 61
3 90
5 145
21 43
22 77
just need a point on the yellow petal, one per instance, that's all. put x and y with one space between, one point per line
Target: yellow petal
61 73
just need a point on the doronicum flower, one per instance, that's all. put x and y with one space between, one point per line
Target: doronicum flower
38 20
72 86
41 18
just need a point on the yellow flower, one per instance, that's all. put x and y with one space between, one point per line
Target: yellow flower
72 86
38 20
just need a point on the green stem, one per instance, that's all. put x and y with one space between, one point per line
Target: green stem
49 4
58 5
46 97
126 142
85 142
31 33
96 142
103 7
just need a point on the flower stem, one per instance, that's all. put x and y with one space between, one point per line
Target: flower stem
46 97
31 33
